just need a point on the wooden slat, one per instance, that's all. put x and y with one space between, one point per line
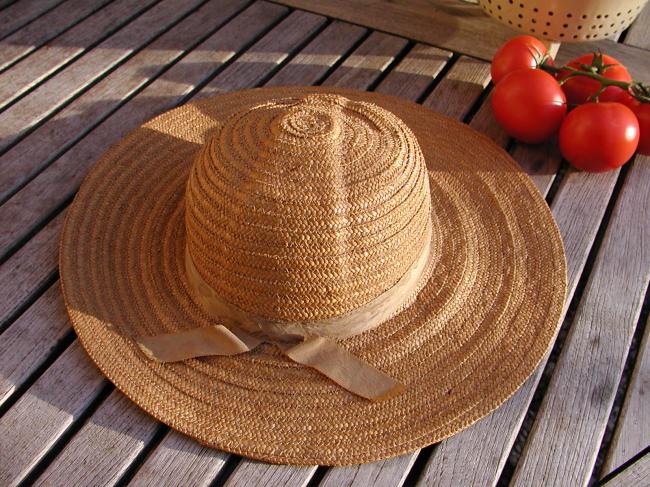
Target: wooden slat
179 460
42 30
28 342
32 425
51 187
449 24
101 452
26 158
638 34
415 72
313 62
21 13
465 81
632 432
564 441
541 163
389 473
636 475
45 99
369 60
250 473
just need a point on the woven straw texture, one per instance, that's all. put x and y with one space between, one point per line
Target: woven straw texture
322 205
476 330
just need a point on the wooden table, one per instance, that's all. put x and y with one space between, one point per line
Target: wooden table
76 75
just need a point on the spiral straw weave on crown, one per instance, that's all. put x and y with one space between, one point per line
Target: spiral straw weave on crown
307 208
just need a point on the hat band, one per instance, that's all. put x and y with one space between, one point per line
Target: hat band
307 343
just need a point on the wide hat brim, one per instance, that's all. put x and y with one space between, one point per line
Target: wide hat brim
475 333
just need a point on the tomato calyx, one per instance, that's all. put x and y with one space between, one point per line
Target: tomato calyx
595 70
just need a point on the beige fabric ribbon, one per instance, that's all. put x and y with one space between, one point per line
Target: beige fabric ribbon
308 343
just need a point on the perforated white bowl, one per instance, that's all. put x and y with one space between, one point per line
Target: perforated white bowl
565 21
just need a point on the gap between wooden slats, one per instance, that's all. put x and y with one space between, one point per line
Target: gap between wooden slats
55 23
23 67
20 14
634 475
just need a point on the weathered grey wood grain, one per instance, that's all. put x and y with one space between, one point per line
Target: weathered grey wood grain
632 432
263 57
29 341
25 159
369 60
484 121
313 62
541 162
21 13
638 33
43 29
101 452
179 460
466 80
29 268
49 96
415 72
250 473
52 186
636 475
566 435
388 473
45 411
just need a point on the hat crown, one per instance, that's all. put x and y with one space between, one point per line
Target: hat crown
307 209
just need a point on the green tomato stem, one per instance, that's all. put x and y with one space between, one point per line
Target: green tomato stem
637 89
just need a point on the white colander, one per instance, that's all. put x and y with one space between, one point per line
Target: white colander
565 21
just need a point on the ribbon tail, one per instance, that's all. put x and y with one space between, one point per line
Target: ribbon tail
199 342
345 369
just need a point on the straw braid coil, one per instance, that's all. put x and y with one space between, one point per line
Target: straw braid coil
305 209
476 330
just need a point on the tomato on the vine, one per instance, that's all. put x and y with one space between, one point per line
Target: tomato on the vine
580 89
529 104
597 137
521 52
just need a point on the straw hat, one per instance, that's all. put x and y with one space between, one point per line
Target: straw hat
306 276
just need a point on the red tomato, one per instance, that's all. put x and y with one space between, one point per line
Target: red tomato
529 104
597 137
580 88
521 52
